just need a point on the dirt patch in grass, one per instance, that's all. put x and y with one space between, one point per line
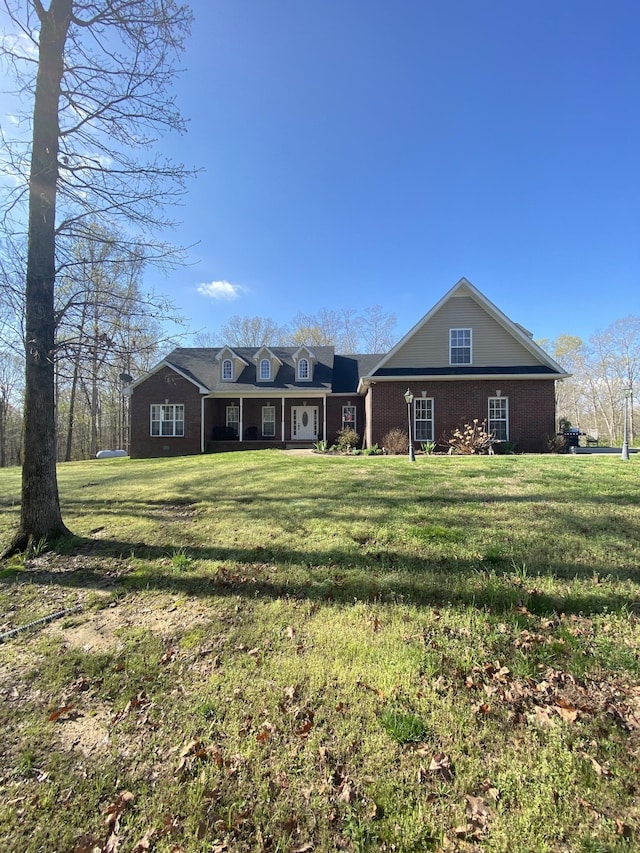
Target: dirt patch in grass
166 616
174 511
86 733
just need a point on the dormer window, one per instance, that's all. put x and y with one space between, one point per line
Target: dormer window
459 346
305 362
267 364
227 370
303 368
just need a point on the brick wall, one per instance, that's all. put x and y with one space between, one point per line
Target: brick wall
165 386
531 407
531 411
334 416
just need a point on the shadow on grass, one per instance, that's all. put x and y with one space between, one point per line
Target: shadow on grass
338 577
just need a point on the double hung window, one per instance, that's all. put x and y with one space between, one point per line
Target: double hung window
233 418
167 419
423 414
268 421
499 418
349 417
459 346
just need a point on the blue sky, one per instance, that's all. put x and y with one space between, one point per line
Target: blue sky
361 152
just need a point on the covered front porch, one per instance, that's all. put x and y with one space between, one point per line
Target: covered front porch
250 421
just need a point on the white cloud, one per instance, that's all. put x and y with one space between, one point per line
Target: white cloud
220 290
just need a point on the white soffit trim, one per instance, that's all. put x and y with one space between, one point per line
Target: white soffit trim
365 382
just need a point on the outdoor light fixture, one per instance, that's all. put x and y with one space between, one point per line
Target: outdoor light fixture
408 396
627 392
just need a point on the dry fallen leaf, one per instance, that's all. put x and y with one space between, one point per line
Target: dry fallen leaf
306 726
145 842
55 715
113 842
346 792
265 732
441 765
541 717
115 809
566 711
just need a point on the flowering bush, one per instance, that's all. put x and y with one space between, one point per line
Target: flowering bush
471 439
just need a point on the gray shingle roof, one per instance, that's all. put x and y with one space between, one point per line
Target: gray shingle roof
203 366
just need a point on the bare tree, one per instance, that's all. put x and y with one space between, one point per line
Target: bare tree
108 327
98 73
321 329
11 372
572 402
252 332
345 329
377 330
614 364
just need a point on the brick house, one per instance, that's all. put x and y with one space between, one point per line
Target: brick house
463 360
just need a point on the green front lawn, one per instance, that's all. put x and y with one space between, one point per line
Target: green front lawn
297 653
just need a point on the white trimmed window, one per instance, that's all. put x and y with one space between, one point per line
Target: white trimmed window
268 421
349 417
232 420
167 419
459 346
423 418
499 418
227 370
265 369
303 368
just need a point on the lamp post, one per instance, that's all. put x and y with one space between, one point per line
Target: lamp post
625 440
408 396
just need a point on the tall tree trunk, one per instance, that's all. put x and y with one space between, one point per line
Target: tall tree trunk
72 404
40 518
4 411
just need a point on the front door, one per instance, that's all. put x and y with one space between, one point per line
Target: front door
304 423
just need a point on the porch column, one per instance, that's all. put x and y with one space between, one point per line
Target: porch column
324 418
282 419
240 427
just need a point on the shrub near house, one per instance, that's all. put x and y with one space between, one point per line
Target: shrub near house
464 361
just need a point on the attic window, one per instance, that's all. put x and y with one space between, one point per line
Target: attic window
265 369
227 370
303 368
459 346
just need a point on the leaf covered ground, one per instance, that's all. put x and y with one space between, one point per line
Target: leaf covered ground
262 652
